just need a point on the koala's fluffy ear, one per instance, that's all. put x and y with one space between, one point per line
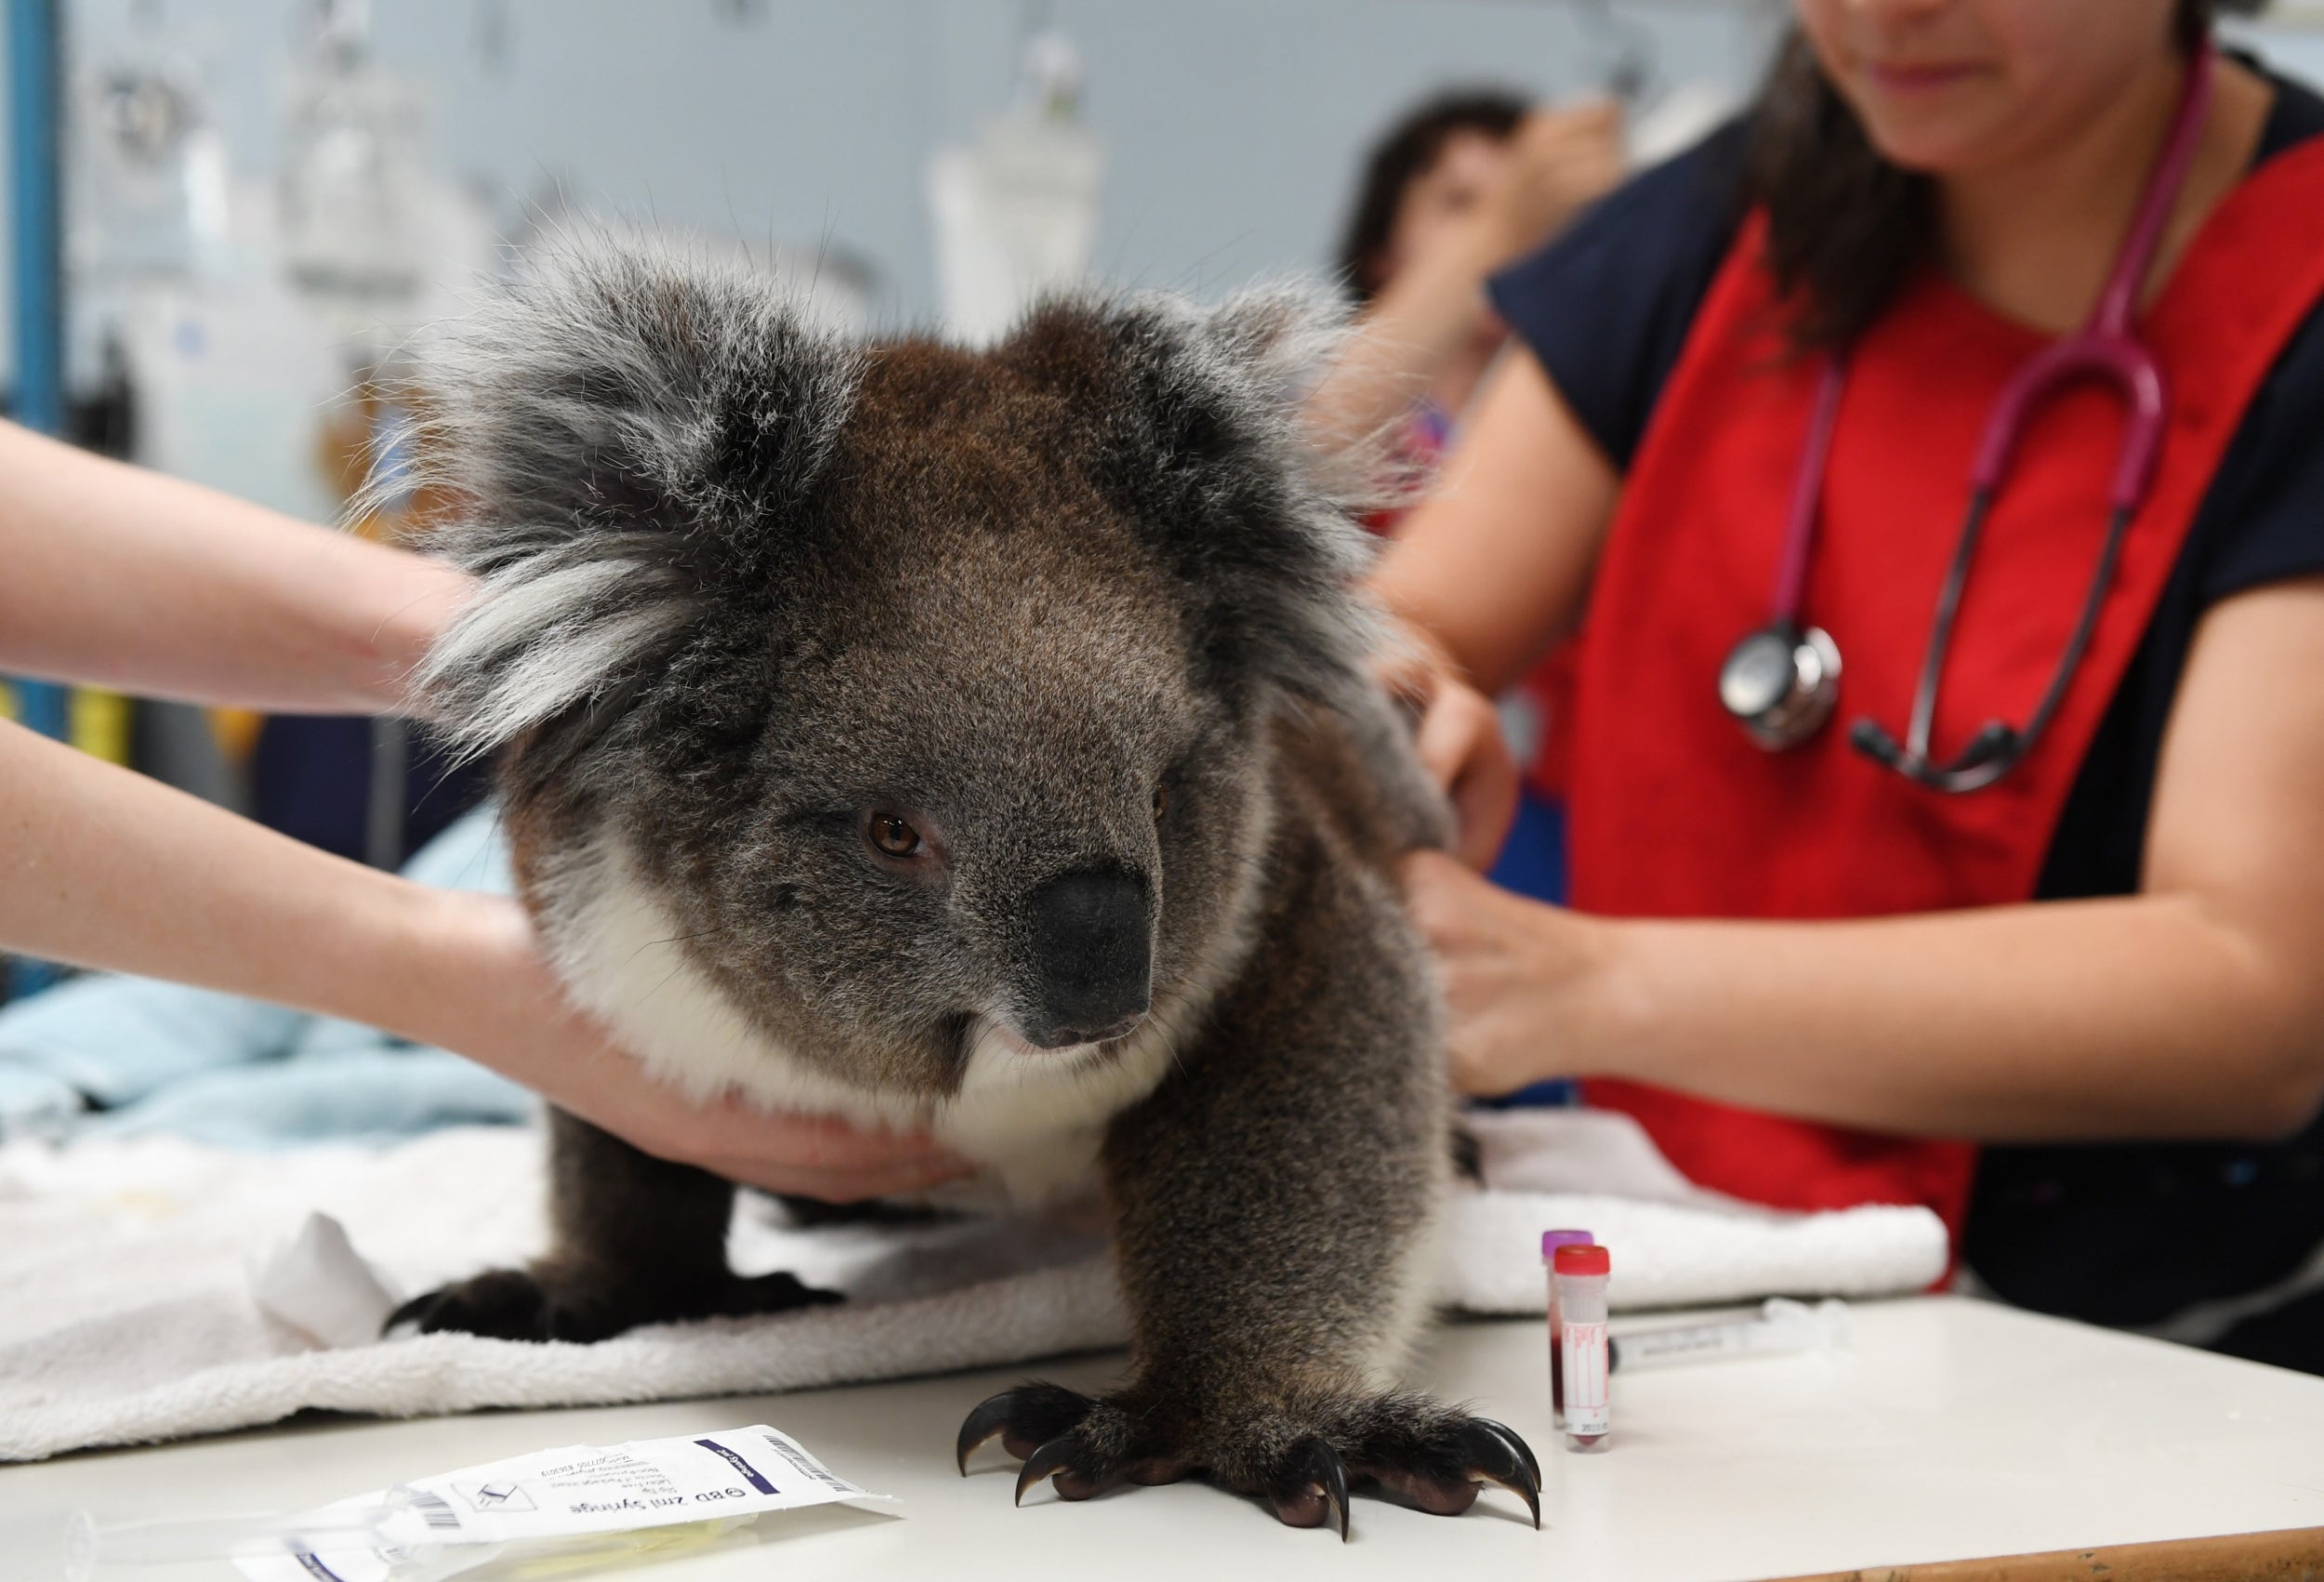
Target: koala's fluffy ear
1206 448
617 429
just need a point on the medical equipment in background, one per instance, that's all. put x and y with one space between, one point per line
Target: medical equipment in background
1781 682
492 37
149 166
352 182
1658 121
1623 50
1015 213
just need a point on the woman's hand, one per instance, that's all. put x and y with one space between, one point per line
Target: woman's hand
1512 971
1560 160
1460 744
510 1014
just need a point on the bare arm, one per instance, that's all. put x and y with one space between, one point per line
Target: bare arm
2195 1008
105 868
129 579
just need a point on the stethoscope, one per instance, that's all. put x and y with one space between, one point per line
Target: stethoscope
1782 681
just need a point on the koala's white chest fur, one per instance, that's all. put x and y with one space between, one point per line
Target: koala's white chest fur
1035 1119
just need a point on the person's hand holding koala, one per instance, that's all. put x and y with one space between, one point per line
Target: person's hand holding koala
492 995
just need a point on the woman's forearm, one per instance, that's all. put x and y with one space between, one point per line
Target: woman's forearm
2141 1017
129 579
101 867
2193 1009
105 868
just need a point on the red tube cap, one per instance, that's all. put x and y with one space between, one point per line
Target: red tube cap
1583 1260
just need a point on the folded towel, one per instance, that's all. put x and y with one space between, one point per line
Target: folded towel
126 1310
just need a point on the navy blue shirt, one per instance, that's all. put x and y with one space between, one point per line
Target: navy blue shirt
1606 308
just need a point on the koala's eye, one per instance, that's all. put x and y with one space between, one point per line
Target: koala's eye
1161 802
894 836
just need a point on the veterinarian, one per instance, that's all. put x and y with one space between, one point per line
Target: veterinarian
1830 939
127 579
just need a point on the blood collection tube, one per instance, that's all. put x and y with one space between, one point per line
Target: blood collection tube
1551 1242
1580 1275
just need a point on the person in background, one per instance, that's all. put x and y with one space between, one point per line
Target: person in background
150 585
1820 960
1460 185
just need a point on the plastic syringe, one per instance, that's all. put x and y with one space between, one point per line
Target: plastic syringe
1782 1325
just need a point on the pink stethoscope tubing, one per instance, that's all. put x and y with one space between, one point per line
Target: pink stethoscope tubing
2106 348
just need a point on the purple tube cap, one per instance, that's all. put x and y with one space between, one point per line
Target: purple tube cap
1553 1240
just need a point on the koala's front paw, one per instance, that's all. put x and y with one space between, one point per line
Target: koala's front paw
544 1304
1299 1456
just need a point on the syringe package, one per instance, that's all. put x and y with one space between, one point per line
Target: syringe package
575 1498
613 1488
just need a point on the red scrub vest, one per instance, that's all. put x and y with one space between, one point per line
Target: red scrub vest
1676 813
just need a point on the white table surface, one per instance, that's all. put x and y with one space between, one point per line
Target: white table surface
1949 1429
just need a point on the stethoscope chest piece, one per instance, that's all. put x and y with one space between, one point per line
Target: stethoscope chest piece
1781 683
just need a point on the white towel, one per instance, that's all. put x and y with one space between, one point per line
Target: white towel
126 1310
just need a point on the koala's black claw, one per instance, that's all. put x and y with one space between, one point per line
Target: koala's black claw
1313 1471
1495 1455
1517 1442
500 1304
1057 1456
1031 1415
984 1425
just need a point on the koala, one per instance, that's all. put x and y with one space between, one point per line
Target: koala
982 741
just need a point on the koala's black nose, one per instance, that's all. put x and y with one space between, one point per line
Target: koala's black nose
1093 958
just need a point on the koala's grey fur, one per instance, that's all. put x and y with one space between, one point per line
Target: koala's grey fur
1078 610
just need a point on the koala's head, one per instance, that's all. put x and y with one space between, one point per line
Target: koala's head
926 693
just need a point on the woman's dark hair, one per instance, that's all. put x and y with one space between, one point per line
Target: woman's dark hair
1406 151
1844 226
